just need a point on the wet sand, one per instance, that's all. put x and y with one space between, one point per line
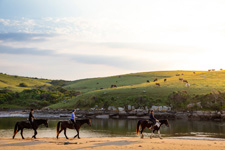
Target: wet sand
109 143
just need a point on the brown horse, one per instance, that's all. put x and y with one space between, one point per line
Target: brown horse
69 124
145 124
26 124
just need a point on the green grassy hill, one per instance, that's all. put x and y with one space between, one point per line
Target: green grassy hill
133 88
12 82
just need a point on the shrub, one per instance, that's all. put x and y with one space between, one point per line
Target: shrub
23 85
178 100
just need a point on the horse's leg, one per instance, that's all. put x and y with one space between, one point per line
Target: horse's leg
65 133
78 133
152 134
159 134
16 133
35 133
77 129
21 132
142 129
59 133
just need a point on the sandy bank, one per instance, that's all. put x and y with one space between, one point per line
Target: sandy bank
109 143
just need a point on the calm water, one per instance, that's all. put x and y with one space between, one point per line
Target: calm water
121 127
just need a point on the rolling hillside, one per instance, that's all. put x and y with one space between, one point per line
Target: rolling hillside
134 88
12 82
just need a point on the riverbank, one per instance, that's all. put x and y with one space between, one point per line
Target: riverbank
110 143
105 114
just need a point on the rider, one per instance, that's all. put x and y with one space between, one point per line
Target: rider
73 117
152 117
31 118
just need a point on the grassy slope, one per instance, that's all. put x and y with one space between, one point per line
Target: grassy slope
133 85
11 82
130 85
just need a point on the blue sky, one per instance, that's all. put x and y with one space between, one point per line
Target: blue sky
74 39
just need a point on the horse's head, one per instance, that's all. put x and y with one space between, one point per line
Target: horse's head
89 122
166 122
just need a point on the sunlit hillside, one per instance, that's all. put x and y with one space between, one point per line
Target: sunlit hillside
13 82
135 86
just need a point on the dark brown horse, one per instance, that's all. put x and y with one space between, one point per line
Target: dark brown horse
69 124
145 124
26 124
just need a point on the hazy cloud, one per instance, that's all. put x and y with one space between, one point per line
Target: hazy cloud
114 61
23 37
22 51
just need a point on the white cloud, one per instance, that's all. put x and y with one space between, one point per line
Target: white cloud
153 35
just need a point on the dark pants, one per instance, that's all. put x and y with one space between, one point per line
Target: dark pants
32 124
153 121
73 122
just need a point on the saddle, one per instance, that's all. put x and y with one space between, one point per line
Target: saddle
70 122
156 124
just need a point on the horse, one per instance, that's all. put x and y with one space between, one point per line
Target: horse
26 124
70 125
145 123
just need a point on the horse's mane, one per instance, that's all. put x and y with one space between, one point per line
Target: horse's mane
41 120
165 121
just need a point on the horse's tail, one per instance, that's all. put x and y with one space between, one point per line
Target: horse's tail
58 125
138 127
15 129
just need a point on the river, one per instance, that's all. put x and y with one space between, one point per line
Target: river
120 127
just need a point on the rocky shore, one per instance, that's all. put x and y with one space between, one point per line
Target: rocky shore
116 114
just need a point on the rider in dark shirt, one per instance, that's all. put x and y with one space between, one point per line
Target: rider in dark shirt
152 117
31 118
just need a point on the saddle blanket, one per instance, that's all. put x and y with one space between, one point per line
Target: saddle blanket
157 124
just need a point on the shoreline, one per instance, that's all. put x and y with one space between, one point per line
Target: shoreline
110 143
134 137
104 114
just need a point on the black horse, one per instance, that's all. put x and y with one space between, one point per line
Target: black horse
26 124
145 124
70 125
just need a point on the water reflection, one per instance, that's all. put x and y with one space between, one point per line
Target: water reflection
120 127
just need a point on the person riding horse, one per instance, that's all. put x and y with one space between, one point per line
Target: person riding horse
73 117
31 118
152 118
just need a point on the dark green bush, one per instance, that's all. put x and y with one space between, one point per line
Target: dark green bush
23 85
